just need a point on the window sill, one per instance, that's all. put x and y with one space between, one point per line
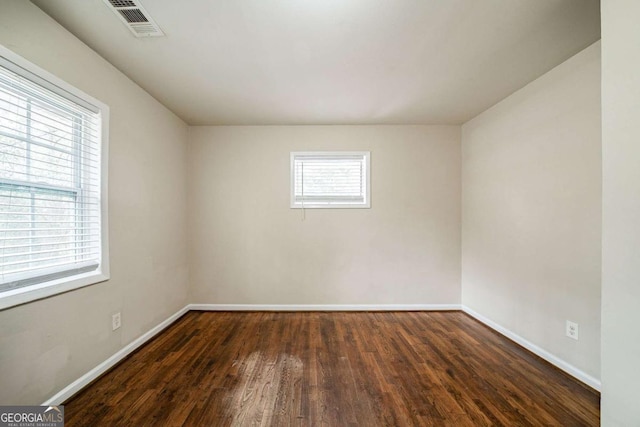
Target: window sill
31 293
330 206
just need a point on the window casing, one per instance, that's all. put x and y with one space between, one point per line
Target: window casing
53 235
330 179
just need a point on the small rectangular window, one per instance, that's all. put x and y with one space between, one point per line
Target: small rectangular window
330 179
52 229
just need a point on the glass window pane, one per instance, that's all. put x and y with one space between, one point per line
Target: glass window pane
38 228
51 127
53 167
13 119
13 158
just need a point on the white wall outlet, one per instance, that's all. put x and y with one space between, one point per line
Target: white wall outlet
116 321
572 330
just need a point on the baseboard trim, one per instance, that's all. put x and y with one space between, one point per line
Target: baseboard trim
554 360
103 367
83 381
325 307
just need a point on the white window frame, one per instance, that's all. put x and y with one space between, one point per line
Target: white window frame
335 205
25 294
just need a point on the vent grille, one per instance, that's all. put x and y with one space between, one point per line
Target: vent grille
133 15
122 3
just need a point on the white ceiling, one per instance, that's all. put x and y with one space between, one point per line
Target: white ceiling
336 61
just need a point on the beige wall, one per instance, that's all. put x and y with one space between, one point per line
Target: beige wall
531 211
248 247
45 345
621 213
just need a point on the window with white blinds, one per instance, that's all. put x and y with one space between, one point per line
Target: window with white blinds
330 180
50 181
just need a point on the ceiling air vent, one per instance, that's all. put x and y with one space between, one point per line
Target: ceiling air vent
135 18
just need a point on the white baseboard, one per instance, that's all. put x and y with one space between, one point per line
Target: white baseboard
325 307
93 374
554 360
87 378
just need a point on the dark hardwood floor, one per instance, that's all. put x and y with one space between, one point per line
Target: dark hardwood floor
336 369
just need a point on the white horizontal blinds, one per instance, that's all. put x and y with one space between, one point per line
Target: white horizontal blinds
49 182
330 179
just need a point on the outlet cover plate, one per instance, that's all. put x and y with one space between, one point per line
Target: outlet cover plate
116 321
572 330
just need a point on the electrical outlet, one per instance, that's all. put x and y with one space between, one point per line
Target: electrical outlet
116 321
572 330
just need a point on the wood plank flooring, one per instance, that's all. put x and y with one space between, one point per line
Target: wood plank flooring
334 369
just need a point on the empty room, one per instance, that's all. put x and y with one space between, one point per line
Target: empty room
319 212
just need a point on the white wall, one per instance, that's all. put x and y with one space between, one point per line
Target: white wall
531 211
45 345
621 213
248 247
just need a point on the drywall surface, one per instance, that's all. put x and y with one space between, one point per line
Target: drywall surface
531 211
47 344
248 247
621 213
